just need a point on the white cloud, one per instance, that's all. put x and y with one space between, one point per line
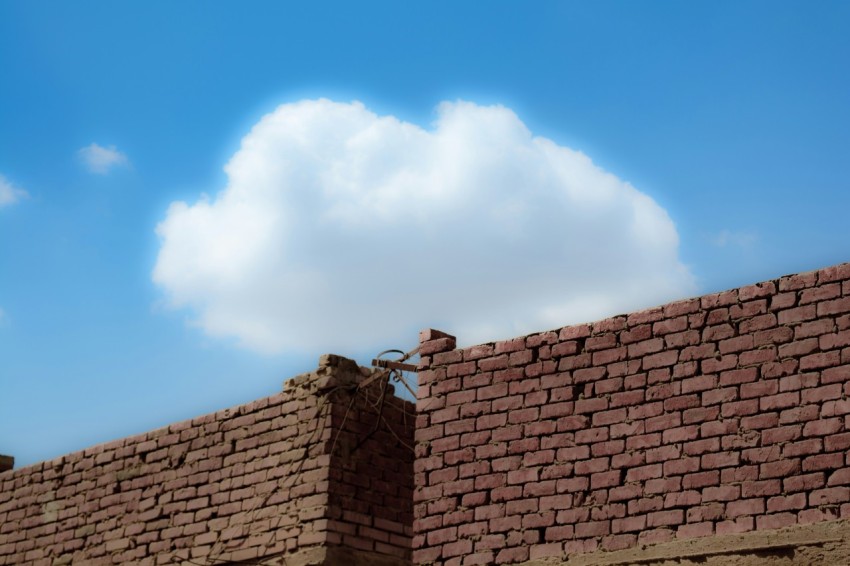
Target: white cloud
101 160
10 194
341 230
725 238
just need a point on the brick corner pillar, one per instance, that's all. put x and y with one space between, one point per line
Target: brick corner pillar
436 349
369 497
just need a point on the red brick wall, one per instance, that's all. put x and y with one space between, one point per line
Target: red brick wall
270 478
720 414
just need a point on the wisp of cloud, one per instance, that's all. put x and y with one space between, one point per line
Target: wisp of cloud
101 160
9 193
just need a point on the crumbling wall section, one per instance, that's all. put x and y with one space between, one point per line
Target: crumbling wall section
722 414
250 483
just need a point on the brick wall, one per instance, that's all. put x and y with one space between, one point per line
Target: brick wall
288 475
721 414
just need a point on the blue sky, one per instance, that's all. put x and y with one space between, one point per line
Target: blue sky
545 145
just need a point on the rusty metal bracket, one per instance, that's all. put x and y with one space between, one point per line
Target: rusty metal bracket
372 379
392 364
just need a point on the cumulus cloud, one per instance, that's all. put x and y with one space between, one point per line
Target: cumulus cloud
342 230
101 160
10 194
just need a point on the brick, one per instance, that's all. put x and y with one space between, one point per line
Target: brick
645 347
736 344
715 396
797 314
839 477
800 414
779 468
834 273
737 376
816 515
663 422
681 498
607 448
627 398
643 473
701 479
667 518
805 482
761 388
775 521
757 323
682 466
835 306
740 408
670 325
832 341
743 439
798 348
661 391
437 345
590 405
836 374
739 525
571 423
761 488
682 339
492 391
507 346
823 462
786 502
782 434
604 418
823 427
646 410
700 415
645 316
679 402
508 375
605 479
829 496
814 328
837 442
821 360
693 530
772 336
720 460
802 448
780 401
618 542
757 357
573 453
661 359
718 428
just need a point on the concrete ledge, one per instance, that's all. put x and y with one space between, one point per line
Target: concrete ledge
816 545
333 556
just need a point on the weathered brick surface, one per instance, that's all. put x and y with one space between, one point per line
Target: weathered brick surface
294 471
721 414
